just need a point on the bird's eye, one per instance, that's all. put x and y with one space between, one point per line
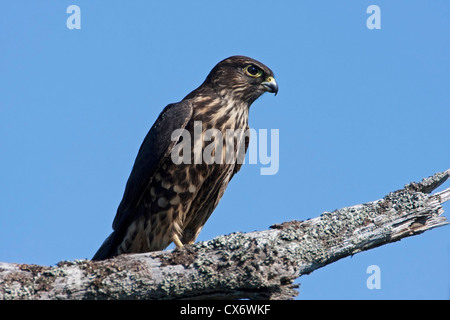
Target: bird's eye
253 71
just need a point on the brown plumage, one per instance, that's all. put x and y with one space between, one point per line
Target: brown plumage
166 202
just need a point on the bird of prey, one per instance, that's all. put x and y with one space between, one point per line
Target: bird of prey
169 201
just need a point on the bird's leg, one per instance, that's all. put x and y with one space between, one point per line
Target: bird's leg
177 241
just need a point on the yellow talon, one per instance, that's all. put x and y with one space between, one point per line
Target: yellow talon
177 241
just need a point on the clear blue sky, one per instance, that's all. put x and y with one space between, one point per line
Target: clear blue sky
360 113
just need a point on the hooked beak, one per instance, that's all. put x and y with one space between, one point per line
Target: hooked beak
270 85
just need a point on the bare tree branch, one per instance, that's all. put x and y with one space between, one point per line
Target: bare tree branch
256 265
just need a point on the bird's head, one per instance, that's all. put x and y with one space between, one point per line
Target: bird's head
242 78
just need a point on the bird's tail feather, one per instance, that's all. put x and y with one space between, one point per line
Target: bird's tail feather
107 249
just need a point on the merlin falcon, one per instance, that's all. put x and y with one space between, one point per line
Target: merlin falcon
169 201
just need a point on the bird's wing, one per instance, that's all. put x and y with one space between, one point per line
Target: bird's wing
155 148
241 156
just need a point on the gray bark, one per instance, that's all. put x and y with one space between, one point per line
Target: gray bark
256 265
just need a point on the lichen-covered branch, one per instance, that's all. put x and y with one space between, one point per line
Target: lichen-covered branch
257 265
